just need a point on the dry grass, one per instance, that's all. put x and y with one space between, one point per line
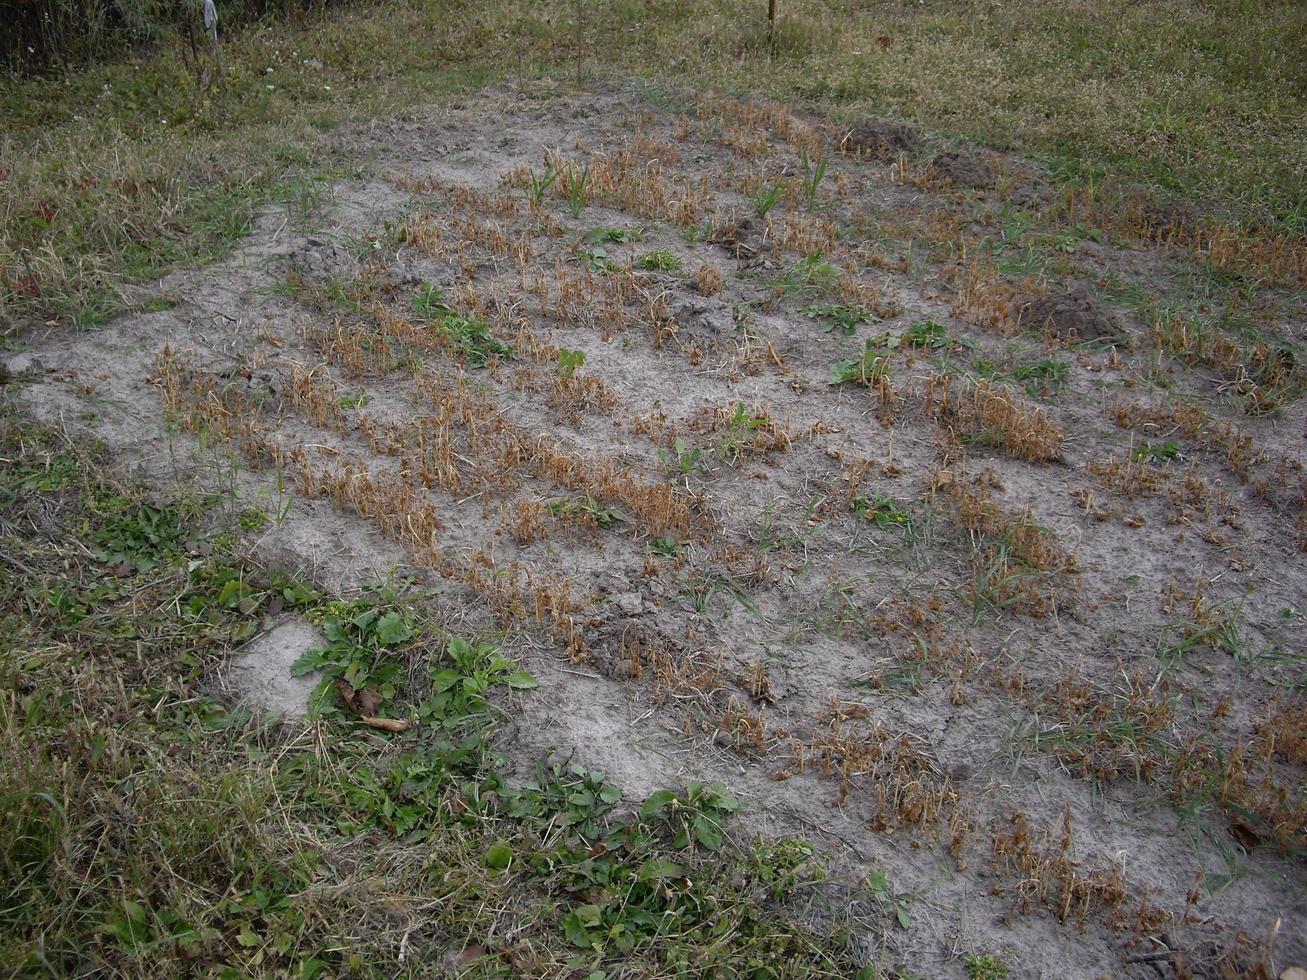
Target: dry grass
991 415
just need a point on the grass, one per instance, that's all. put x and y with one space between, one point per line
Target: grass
120 172
250 849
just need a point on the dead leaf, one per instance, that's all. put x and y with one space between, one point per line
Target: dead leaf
470 954
395 725
345 691
368 701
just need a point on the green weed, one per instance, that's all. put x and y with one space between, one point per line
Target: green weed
786 863
363 651
929 335
739 429
595 258
538 185
813 175
661 261
586 508
468 335
1164 452
576 185
883 510
869 369
844 317
898 903
986 967
666 546
1041 376
810 275
766 197
683 459
695 817
569 361
596 236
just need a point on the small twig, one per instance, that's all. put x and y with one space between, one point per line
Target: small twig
578 673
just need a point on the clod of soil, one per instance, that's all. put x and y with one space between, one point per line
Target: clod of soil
964 169
1075 315
882 139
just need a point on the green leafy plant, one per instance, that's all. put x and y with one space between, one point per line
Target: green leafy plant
468 334
571 796
460 683
694 818
842 316
879 886
702 587
927 334
666 546
353 401
569 361
253 519
682 458
596 259
596 236
870 368
1041 375
1146 452
138 535
785 863
360 660
588 508
738 429
883 510
986 967
661 261
809 275
702 232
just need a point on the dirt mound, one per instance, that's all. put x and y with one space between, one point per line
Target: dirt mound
882 139
963 169
1076 315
